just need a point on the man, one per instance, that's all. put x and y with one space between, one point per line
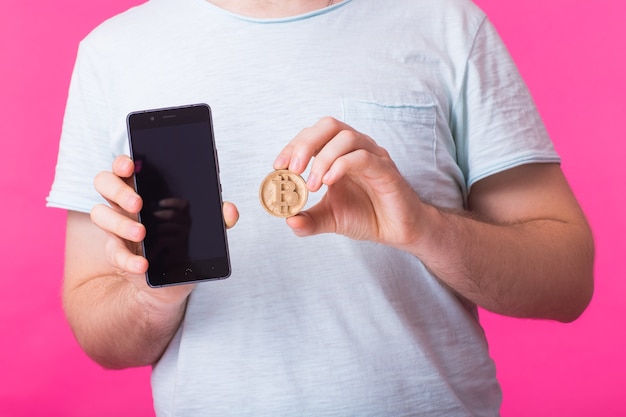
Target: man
435 189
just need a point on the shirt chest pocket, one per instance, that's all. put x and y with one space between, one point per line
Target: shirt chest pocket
406 131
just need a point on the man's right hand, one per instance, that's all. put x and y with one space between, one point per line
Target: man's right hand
116 317
120 220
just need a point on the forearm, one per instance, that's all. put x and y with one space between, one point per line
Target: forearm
118 320
539 268
117 325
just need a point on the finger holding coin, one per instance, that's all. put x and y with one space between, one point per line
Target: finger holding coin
283 193
296 154
327 140
366 198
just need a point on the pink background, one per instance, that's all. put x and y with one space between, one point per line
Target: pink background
571 53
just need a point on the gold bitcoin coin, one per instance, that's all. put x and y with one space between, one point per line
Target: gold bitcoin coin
283 193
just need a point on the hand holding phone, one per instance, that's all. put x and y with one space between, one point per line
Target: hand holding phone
177 176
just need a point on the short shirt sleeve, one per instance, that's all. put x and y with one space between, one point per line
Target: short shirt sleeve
84 148
495 121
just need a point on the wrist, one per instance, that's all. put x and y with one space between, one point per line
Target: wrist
165 302
437 233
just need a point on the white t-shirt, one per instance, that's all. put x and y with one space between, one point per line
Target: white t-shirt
318 326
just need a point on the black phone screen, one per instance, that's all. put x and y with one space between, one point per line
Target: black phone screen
177 176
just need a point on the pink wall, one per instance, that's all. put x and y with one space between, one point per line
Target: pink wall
571 53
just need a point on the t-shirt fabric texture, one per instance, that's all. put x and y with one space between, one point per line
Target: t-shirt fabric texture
324 325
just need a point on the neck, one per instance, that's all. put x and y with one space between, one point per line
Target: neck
267 9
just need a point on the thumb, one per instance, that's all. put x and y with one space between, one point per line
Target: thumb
311 222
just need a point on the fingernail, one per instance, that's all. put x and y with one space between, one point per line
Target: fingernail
295 164
312 181
135 232
137 265
131 201
124 164
280 162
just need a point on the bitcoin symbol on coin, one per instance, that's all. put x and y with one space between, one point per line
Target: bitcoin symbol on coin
286 196
283 193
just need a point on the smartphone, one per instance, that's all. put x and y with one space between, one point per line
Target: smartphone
177 176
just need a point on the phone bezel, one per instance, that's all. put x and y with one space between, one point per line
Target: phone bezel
197 270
